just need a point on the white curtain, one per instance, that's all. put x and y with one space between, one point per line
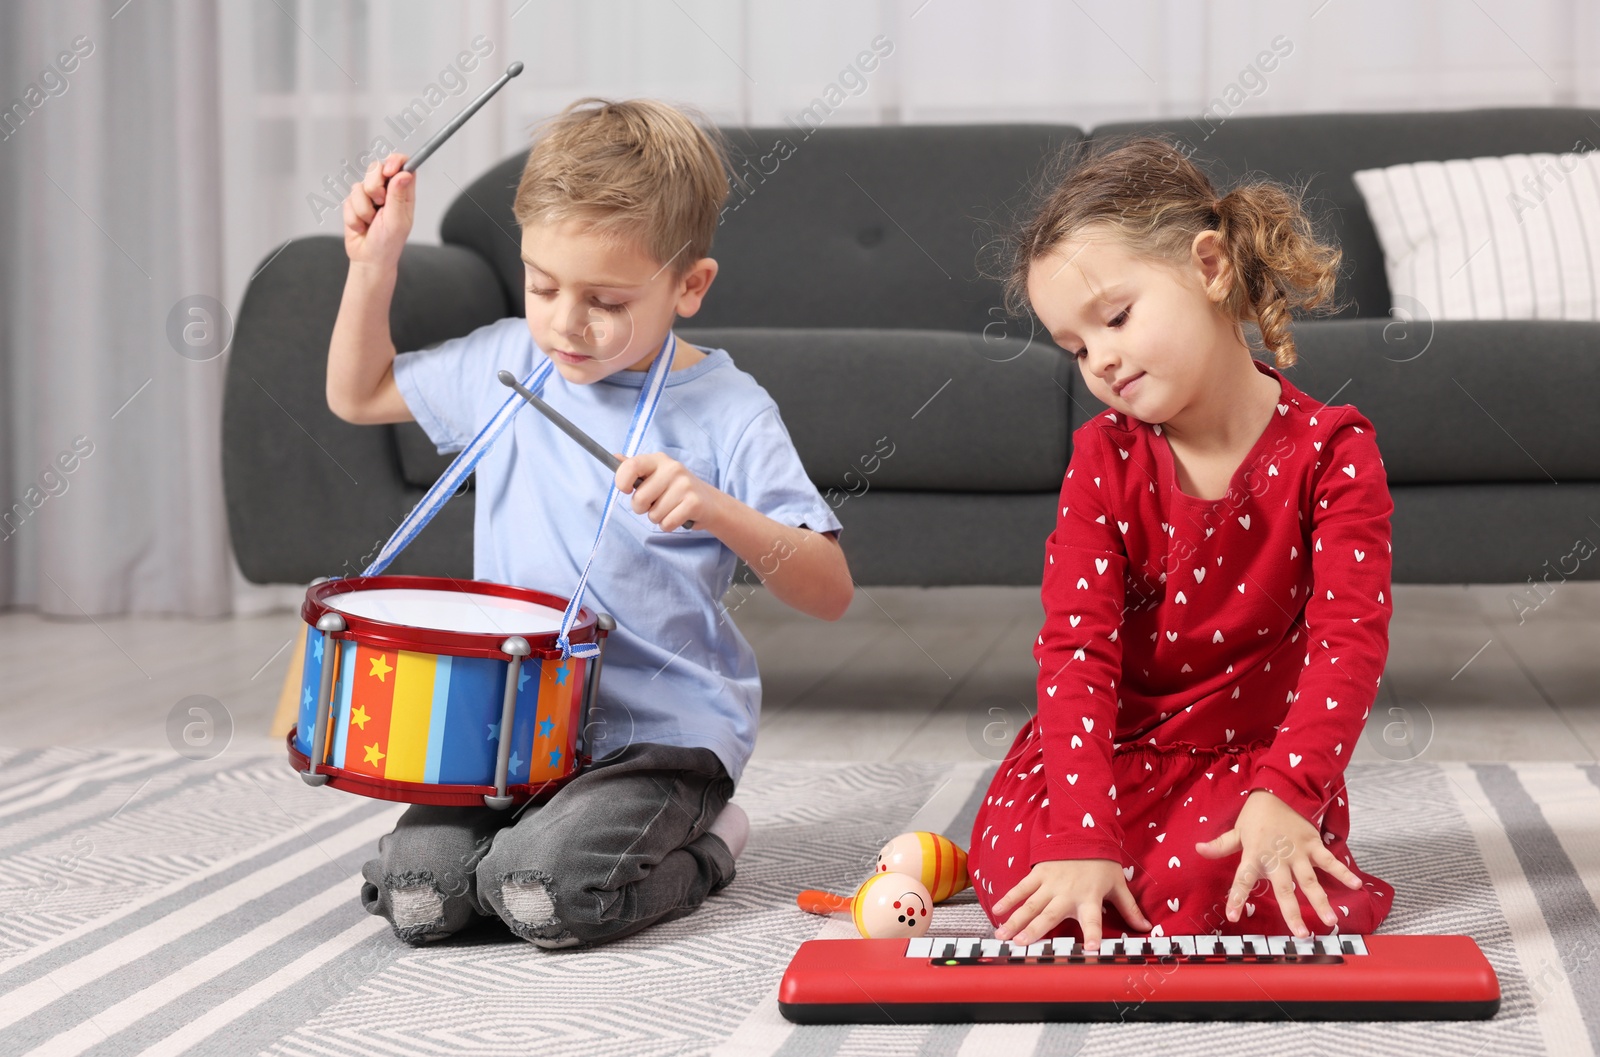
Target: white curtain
194 138
112 174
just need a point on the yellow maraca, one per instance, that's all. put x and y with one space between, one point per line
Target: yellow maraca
932 858
891 906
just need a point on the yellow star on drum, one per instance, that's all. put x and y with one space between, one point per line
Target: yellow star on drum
373 755
380 667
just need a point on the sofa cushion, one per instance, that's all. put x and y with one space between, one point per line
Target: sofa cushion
954 412
1325 149
1513 237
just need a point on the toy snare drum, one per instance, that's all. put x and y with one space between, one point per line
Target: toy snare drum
429 690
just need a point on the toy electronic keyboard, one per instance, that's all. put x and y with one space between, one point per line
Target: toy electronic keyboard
958 980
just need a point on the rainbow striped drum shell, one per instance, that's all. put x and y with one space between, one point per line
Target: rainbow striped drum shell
932 858
418 685
892 906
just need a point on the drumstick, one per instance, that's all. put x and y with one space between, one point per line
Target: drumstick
589 444
437 139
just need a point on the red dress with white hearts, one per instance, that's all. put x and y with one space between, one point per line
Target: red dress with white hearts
1194 650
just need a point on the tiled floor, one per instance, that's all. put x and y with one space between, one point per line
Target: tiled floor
907 674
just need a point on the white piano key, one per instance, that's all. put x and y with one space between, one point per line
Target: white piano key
1108 946
990 948
1328 944
920 947
1183 944
1037 950
1161 946
1280 945
1136 945
1257 944
1208 944
1066 946
1233 944
967 947
1356 944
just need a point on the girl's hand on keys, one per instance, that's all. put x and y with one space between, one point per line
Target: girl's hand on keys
1275 842
1057 889
378 212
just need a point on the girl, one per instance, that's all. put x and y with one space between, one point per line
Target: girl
1216 589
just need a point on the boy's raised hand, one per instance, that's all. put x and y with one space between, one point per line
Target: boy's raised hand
669 493
378 212
1058 889
1275 842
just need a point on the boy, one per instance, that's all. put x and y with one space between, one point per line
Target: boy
618 203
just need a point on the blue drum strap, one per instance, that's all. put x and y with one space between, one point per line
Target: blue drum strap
454 474
655 383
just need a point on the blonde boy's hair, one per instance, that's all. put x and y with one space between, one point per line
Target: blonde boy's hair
637 169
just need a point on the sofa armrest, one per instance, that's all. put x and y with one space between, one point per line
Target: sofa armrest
308 494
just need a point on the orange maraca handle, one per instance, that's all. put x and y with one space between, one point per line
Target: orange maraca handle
815 902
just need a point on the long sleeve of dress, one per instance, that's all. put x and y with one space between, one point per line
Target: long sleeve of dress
1347 623
1080 662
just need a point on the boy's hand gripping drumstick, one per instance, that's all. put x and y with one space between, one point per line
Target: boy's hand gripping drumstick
589 444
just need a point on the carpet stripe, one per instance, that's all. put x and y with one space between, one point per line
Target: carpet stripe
57 792
92 937
298 973
187 919
124 1014
1556 1013
1558 803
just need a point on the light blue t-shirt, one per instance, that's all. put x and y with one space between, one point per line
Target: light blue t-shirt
677 671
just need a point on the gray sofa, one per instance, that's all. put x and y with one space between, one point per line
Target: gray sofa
850 288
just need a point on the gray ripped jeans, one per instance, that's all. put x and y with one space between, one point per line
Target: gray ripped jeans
621 846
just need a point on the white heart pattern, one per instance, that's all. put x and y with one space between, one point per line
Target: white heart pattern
1088 724
1361 555
1074 619
1050 690
1127 873
1332 704
1173 863
1100 565
1294 759
1077 742
1172 904
1350 469
1072 779
1245 521
1228 734
1088 820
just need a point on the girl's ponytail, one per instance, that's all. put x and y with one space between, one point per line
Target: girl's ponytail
1278 263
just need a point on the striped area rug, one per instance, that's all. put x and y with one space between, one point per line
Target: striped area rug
153 905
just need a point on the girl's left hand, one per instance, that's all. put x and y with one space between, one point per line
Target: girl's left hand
1278 844
669 494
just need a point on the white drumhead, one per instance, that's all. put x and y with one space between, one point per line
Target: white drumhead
448 611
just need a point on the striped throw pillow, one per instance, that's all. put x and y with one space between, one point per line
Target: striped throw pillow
1490 238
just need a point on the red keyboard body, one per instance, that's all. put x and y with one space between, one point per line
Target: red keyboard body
854 981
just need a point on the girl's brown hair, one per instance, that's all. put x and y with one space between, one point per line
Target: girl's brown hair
637 168
1148 193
